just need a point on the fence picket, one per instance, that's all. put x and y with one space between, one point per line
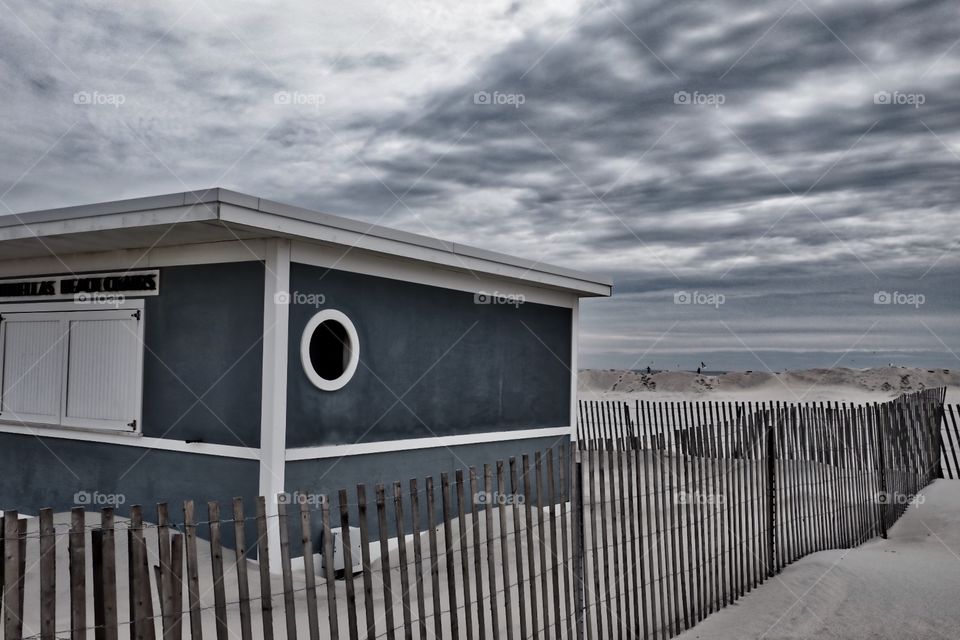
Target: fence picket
477 556
449 555
193 570
243 583
13 577
289 609
385 575
309 574
518 550
175 631
348 577
263 560
465 557
329 572
418 558
435 560
365 561
48 576
402 563
216 564
78 573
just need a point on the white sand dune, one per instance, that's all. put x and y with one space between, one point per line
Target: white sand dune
841 384
903 587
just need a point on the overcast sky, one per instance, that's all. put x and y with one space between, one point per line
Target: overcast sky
775 166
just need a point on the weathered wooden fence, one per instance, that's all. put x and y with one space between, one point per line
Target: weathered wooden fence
950 437
709 499
656 515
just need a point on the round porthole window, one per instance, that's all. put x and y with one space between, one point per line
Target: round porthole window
329 350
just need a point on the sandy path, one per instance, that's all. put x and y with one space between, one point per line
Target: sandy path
904 587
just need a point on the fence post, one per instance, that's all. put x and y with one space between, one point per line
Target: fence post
579 597
771 492
936 420
881 470
13 576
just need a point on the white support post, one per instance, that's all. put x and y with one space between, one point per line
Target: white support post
574 348
273 411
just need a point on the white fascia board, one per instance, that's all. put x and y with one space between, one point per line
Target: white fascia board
166 256
405 270
435 252
105 222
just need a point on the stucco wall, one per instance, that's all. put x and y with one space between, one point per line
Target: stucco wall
51 472
328 476
433 362
204 349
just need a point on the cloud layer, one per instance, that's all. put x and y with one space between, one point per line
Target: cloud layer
792 159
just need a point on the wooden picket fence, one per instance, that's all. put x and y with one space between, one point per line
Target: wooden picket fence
709 499
656 515
950 437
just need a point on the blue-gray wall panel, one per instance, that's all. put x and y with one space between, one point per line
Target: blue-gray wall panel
202 364
328 476
50 472
456 366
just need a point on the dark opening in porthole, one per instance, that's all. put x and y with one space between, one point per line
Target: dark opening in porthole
330 349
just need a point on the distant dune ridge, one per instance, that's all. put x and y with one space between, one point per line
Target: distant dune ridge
808 384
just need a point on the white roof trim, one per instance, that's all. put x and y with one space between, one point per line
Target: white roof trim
272 219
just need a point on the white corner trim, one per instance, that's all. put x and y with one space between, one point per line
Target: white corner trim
133 440
342 450
273 403
574 367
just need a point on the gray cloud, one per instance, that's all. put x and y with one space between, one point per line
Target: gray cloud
790 190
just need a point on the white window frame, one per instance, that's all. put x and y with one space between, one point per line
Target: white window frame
63 312
315 378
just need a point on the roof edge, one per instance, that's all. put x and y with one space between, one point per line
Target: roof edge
217 195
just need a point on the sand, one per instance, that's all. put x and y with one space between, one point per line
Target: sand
905 587
841 384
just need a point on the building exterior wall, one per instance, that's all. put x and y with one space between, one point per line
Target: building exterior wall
313 478
61 474
433 362
202 362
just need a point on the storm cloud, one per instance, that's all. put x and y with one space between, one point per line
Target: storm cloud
770 185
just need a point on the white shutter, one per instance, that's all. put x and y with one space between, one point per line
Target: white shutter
103 377
33 346
72 368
